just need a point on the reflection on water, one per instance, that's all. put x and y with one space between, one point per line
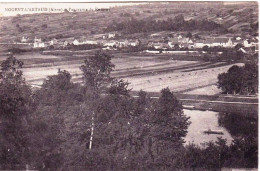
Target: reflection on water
239 125
201 121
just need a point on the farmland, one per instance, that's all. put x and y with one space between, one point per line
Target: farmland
189 79
149 73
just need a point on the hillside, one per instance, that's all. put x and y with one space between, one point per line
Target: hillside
237 18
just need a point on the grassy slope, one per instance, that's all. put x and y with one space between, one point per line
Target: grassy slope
87 23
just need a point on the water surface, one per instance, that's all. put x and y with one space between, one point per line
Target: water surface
201 121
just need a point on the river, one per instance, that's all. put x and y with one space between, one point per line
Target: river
231 124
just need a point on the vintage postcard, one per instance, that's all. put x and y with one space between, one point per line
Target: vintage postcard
166 85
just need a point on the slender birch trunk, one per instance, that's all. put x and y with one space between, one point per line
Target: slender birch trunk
92 131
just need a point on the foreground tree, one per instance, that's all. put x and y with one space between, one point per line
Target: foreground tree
15 108
96 75
169 127
56 103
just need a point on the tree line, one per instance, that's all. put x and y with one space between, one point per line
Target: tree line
171 24
240 80
99 125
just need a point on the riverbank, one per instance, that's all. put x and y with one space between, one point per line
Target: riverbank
245 105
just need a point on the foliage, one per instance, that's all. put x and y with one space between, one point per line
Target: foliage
119 87
231 55
241 153
50 128
176 24
168 128
57 96
189 35
205 48
17 50
227 54
96 76
81 47
15 108
10 72
96 71
240 80
238 46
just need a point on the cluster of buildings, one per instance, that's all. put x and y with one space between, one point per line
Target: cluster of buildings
106 44
38 42
112 41
107 41
192 43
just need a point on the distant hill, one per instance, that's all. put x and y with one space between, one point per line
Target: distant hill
236 17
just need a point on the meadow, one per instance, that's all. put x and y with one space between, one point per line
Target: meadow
149 73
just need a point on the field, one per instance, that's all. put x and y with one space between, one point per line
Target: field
149 73
179 79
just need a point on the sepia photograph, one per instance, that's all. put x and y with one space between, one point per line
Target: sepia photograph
129 85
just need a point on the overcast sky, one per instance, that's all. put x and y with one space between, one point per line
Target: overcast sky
12 9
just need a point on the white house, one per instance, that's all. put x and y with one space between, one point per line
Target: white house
224 42
157 45
68 41
170 44
100 36
24 39
190 41
91 42
134 43
38 45
76 42
111 35
104 36
65 43
219 41
53 41
214 42
122 43
238 38
37 39
179 37
173 41
200 44
110 44
246 43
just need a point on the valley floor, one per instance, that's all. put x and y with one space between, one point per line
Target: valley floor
149 73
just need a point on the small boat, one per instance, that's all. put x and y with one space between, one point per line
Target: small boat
209 131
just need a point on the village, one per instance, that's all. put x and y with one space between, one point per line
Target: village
155 43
